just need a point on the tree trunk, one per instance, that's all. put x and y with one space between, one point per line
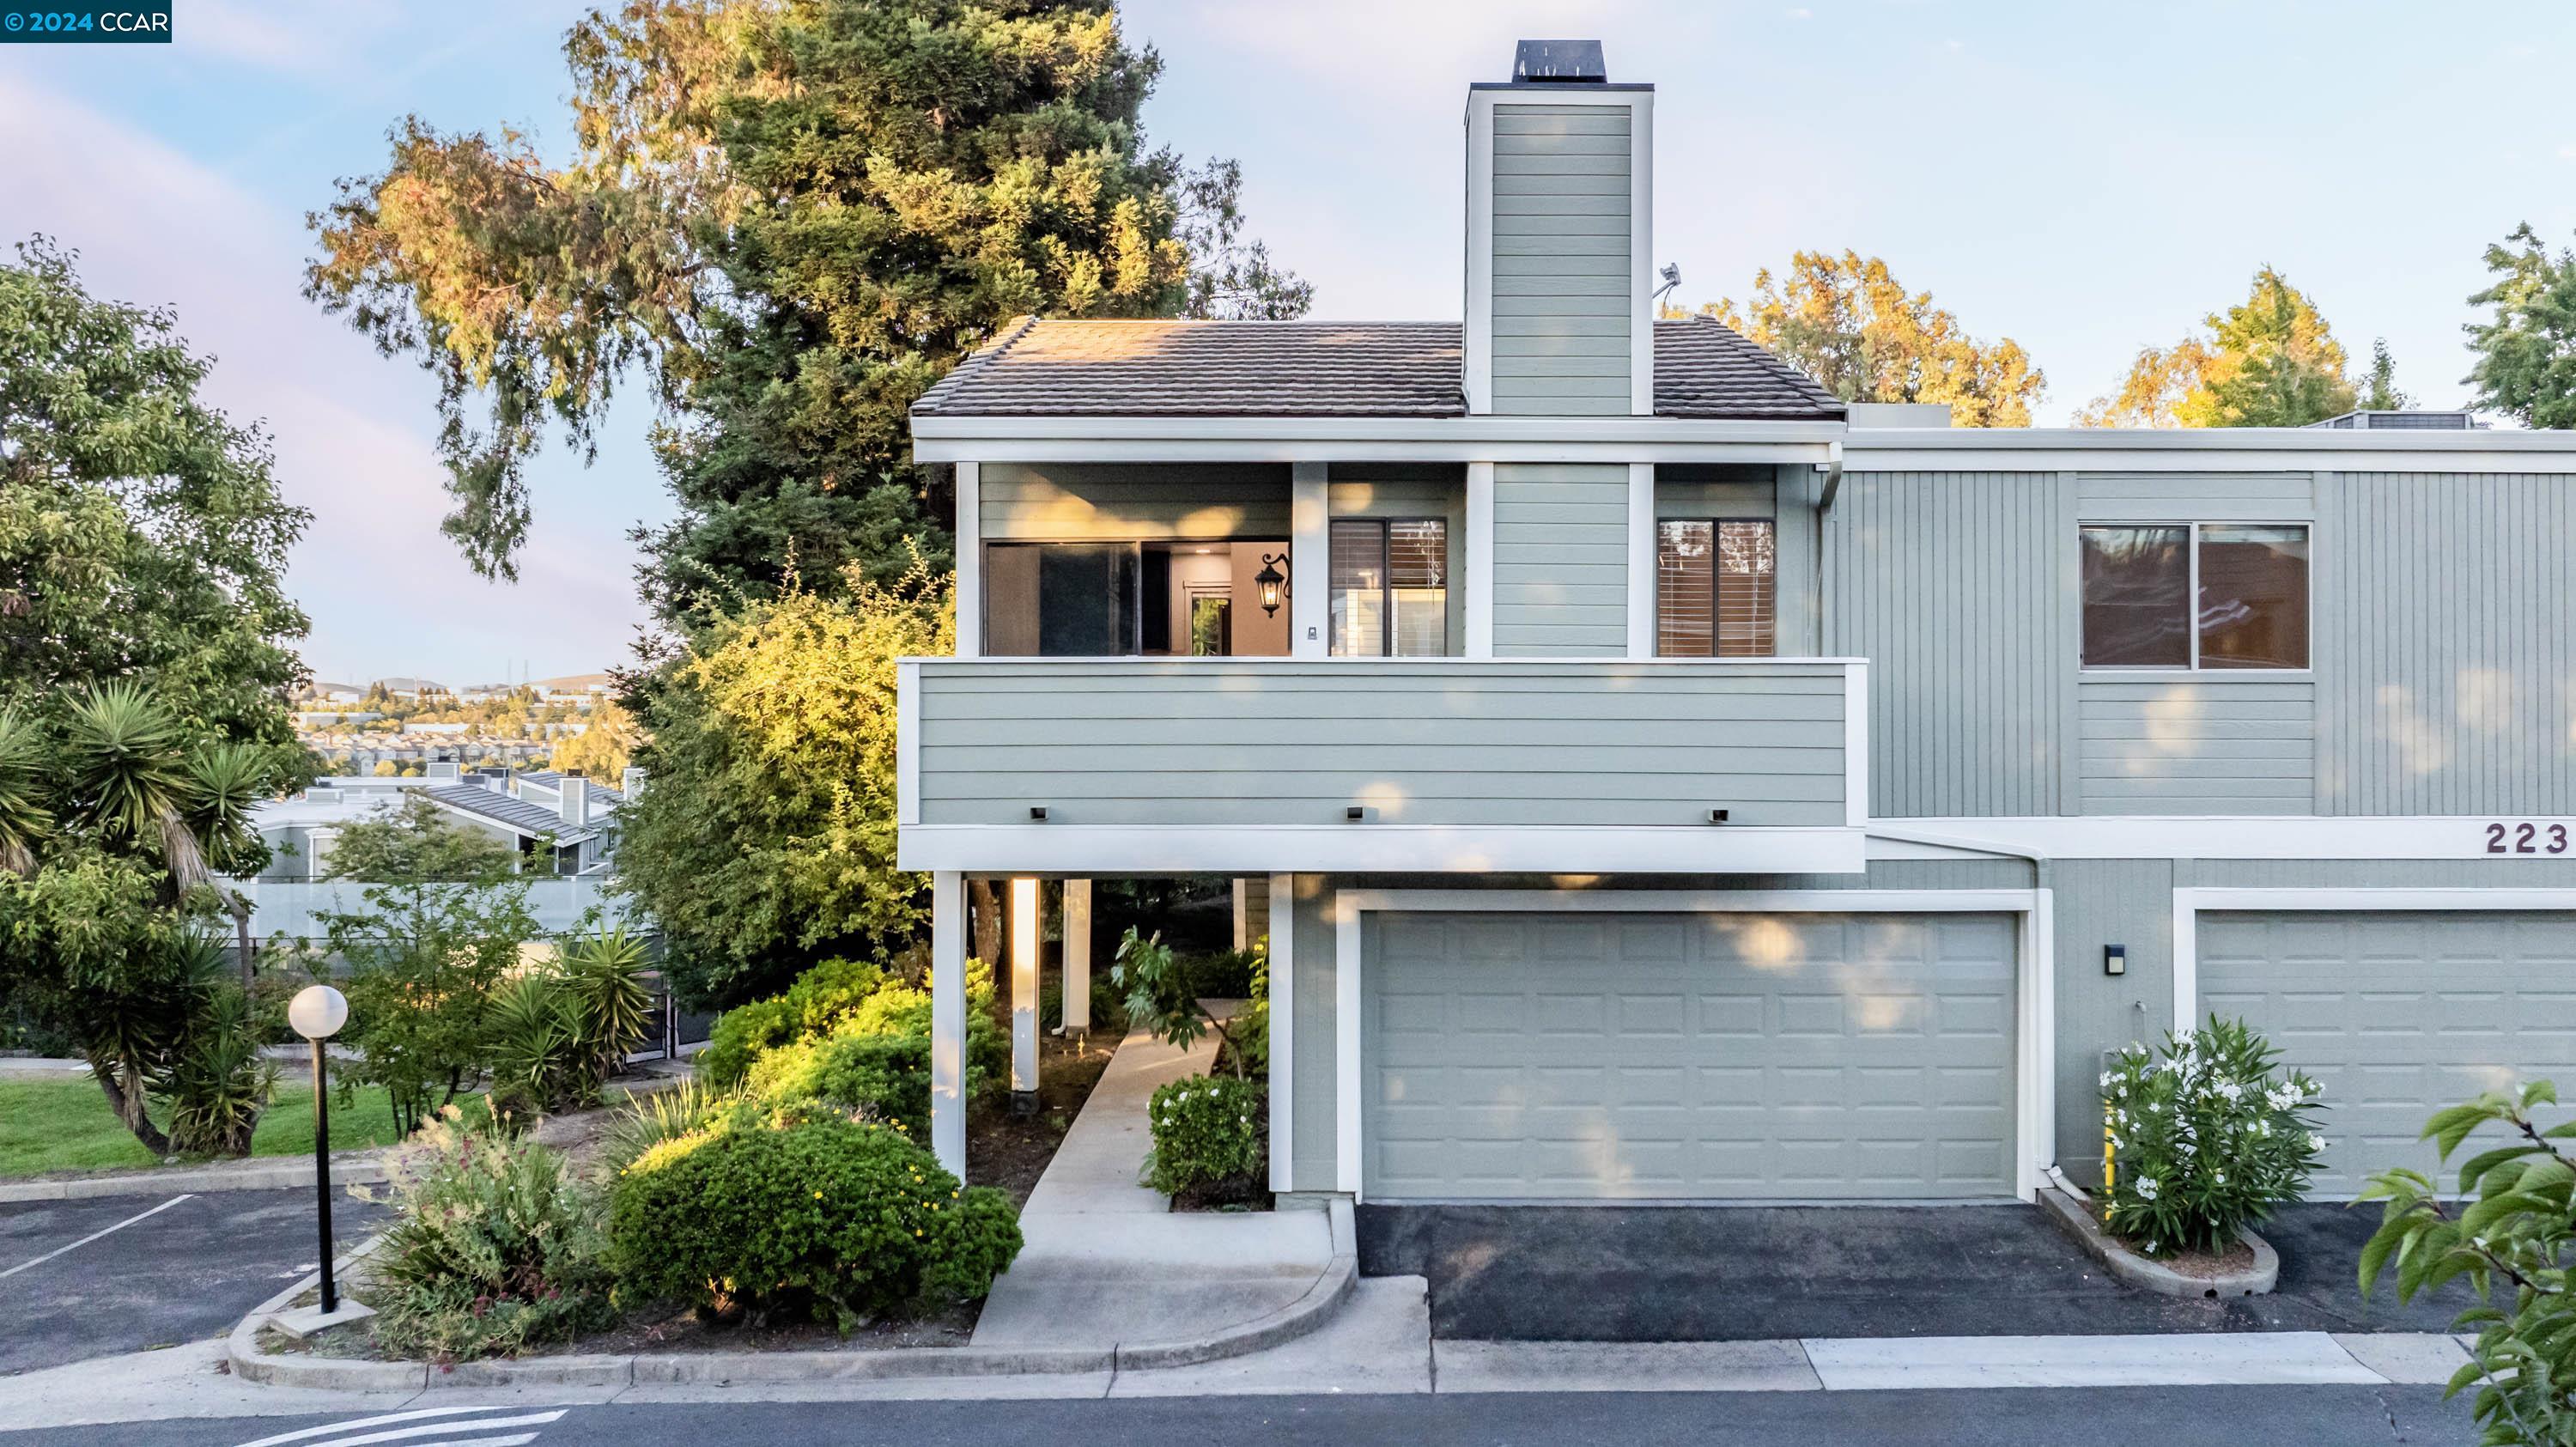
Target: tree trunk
241 932
986 906
124 1091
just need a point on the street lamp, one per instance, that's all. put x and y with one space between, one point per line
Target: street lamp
317 1013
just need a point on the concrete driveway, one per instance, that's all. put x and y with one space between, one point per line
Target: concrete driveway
87 1279
1662 1273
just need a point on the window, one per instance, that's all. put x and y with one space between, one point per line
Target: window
2250 581
1060 600
1713 588
1390 587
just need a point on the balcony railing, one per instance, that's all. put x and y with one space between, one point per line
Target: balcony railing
1438 765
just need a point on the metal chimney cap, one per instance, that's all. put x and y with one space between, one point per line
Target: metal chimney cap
1559 61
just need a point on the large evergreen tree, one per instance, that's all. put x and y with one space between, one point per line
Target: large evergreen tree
2268 361
144 663
793 216
2526 350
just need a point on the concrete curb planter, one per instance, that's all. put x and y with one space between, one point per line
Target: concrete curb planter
285 1172
1300 1317
2074 1215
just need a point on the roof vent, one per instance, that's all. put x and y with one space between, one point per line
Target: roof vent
1559 62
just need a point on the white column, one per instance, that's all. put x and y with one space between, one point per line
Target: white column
1480 560
1077 956
948 934
970 560
1283 1031
1310 561
1024 919
1641 560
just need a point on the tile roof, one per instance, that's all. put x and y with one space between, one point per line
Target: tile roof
1321 369
519 814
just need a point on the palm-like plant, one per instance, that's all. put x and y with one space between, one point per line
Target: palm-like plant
24 819
604 971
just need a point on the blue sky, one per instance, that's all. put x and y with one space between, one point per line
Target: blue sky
2085 179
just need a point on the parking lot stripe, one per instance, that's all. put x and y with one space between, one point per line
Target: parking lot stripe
94 1235
332 1431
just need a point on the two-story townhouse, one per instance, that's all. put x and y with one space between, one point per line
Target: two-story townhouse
1668 783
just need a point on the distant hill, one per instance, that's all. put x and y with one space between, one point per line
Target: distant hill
575 682
408 685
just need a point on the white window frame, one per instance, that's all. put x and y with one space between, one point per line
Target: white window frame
1386 584
2191 547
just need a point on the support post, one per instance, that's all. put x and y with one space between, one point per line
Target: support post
1310 572
1077 957
1024 920
948 1020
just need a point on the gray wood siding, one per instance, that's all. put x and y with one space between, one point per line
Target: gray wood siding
2180 497
2446 644
2216 745
1958 588
1563 296
1243 742
1122 502
1560 560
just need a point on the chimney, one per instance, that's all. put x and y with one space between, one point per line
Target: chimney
575 801
1560 237
631 782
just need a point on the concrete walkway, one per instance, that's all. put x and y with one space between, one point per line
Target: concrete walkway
1108 1264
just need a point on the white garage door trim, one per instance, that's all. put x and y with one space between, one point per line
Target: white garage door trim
2188 904
2035 1049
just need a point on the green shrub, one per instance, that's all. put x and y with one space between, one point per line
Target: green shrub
649 1118
2208 1138
821 1217
844 996
1226 975
738 1036
496 1249
883 1077
604 972
1206 1129
2513 1223
543 1060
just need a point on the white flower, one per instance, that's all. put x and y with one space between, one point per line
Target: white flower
2221 1177
2316 1142
2147 1188
2106 1080
2151 1248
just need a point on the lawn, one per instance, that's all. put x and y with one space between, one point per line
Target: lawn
63 1123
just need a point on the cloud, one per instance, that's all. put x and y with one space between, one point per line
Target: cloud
303 36
350 428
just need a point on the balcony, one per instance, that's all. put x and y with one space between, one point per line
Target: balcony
1431 765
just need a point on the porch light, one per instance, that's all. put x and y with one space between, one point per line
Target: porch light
1272 582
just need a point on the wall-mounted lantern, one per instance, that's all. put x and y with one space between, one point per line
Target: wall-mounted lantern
1272 583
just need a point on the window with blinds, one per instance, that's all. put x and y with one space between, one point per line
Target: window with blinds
1390 585
1714 588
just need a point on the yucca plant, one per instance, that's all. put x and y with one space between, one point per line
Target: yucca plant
604 971
24 820
217 1083
540 1061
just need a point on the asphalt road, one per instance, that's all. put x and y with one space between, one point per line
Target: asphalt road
186 1271
2203 1416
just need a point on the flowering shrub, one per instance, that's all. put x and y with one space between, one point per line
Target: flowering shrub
497 1248
2208 1138
1206 1130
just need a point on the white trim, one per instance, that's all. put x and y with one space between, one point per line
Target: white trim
1641 560
907 741
969 533
940 439
948 935
1641 254
1310 547
1361 848
2217 449
1465 441
1480 560
1856 744
1477 334
2034 1049
2190 902
1346 1042
2256 836
1283 1032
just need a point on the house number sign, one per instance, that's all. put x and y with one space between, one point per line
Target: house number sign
2524 837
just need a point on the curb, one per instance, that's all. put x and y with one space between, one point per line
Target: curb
296 1172
1304 1315
2075 1217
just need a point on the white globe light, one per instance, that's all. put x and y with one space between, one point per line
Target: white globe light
317 1012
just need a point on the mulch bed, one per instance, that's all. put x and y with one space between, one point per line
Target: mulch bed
1008 1151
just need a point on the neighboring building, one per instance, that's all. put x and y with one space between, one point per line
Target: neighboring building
1667 784
565 828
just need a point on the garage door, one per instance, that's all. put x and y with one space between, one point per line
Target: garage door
1676 1056
2398 1015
